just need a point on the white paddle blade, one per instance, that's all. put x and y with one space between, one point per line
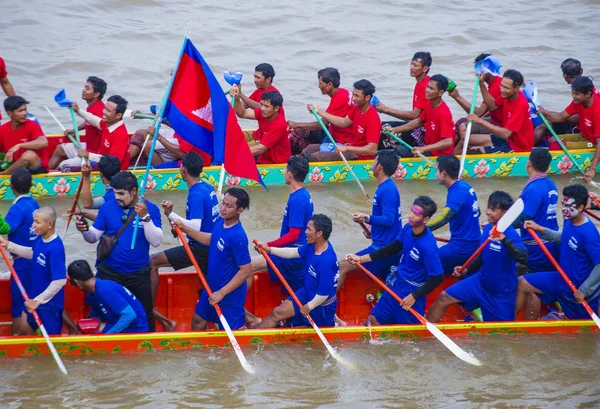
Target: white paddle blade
596 319
55 355
236 347
455 349
510 216
463 154
332 351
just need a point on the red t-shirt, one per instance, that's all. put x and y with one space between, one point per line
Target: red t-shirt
438 125
3 74
28 132
93 135
274 135
419 100
494 90
515 117
187 147
589 119
115 143
366 127
257 97
340 105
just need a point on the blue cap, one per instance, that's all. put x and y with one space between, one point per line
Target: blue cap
489 65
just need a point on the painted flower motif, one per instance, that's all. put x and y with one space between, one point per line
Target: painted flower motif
150 183
62 187
232 181
315 176
400 172
565 164
482 168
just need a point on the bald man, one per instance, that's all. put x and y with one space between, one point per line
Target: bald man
48 272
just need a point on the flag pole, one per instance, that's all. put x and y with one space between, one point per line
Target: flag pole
221 181
159 115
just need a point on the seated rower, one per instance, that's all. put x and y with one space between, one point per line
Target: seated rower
540 196
66 155
365 123
516 132
166 150
228 263
436 118
22 140
320 278
586 105
115 138
492 287
385 218
305 133
419 272
108 166
48 272
115 306
579 258
272 135
461 212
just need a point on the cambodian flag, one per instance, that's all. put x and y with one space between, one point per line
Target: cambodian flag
199 112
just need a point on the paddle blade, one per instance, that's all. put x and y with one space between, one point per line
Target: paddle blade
596 319
510 216
489 65
375 100
236 347
53 351
233 77
455 349
332 351
62 100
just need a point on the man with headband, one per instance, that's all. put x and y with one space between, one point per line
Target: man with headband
579 257
419 272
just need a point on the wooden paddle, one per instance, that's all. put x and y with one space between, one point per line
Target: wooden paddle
38 321
563 274
75 200
469 127
443 338
504 223
596 202
332 351
314 112
407 146
236 347
592 215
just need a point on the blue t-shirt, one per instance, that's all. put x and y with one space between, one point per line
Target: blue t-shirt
322 271
386 216
579 250
48 264
201 204
420 258
499 268
540 198
123 259
109 301
20 220
227 253
298 211
109 195
464 226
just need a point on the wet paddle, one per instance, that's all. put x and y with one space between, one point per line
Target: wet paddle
504 223
443 338
318 118
407 146
563 275
469 127
332 351
38 321
236 347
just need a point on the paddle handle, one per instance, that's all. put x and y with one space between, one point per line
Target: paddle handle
232 101
558 268
143 116
407 146
473 257
75 200
592 215
365 228
75 128
55 118
596 202
469 127
441 239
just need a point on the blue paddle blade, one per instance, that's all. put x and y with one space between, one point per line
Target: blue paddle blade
531 93
479 68
233 77
153 109
61 99
374 100
32 117
489 65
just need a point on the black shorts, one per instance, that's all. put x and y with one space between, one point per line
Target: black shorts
178 258
38 170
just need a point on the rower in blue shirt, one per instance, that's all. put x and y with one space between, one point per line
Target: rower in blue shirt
201 213
320 278
493 283
579 257
385 220
48 271
18 225
228 263
419 272
540 196
115 306
108 166
461 212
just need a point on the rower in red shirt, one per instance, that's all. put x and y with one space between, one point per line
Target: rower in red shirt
365 123
65 154
272 134
22 140
586 106
115 138
516 132
437 120
5 82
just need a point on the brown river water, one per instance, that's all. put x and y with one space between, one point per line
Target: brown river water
132 44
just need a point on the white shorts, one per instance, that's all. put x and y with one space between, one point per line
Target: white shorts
70 149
